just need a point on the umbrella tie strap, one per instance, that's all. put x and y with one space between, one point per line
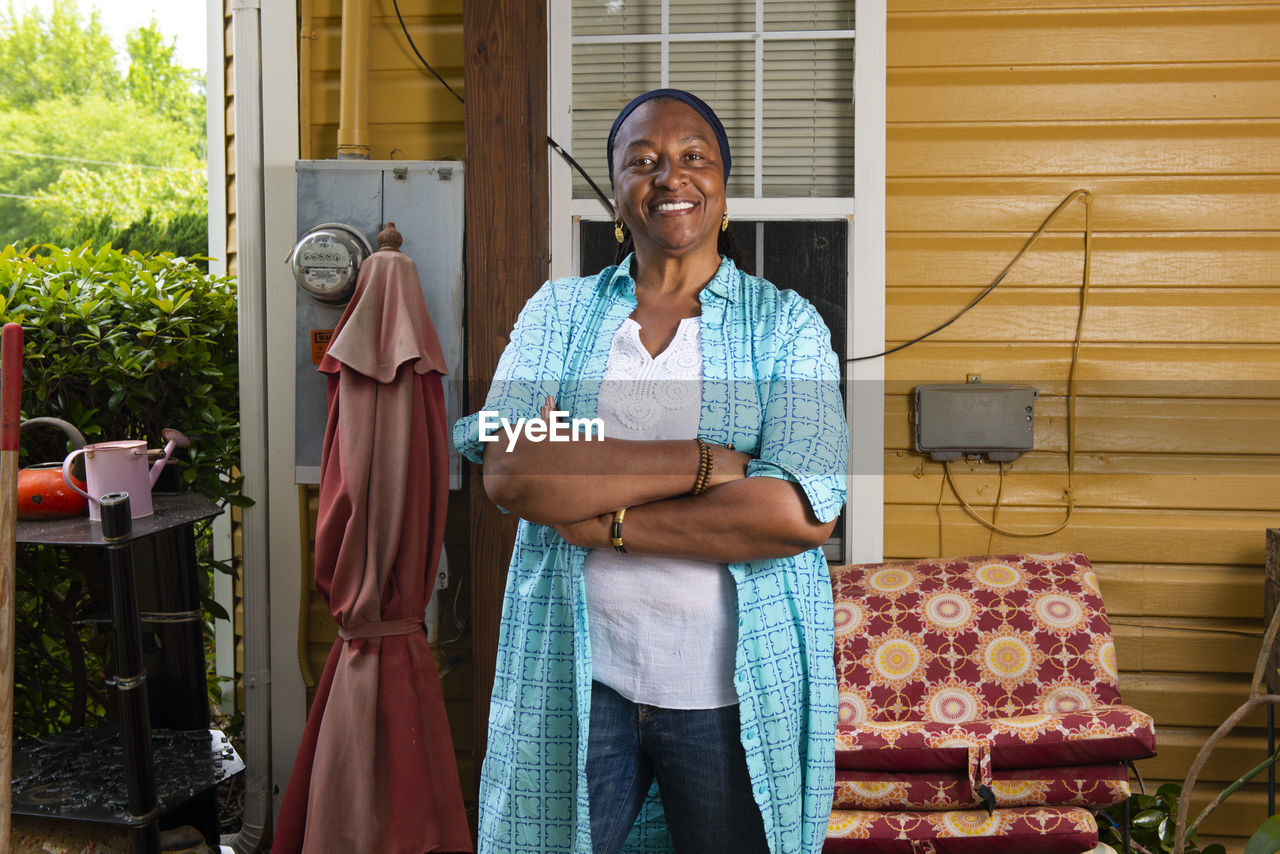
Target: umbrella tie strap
383 629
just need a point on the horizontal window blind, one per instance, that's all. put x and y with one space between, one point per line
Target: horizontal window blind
720 73
605 78
616 17
808 118
644 17
699 16
794 75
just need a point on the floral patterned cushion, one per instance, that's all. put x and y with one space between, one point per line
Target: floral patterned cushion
1087 737
1019 830
980 662
1092 786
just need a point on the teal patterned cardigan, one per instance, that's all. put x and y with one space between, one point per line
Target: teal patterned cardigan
771 389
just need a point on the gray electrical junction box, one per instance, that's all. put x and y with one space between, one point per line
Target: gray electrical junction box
972 419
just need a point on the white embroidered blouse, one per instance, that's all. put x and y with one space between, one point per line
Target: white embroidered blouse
663 630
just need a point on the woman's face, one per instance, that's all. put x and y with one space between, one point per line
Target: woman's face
668 180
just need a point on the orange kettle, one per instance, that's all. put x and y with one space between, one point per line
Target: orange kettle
42 492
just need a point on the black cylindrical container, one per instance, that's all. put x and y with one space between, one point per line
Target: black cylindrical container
130 678
172 613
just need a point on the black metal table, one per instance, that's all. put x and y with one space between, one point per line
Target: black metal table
132 775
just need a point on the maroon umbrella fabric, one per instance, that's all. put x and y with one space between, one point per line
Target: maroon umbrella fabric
375 771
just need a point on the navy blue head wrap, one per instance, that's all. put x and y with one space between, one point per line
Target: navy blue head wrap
680 95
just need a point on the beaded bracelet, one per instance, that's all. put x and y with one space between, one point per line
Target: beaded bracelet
706 462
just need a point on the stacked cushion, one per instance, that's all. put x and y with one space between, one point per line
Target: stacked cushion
978 664
1082 785
1044 830
978 681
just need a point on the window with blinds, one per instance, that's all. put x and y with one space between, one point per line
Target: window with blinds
779 74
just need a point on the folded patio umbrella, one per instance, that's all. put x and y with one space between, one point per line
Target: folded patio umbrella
375 771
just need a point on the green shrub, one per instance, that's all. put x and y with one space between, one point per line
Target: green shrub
150 210
122 345
184 234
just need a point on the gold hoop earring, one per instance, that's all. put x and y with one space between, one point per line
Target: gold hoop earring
618 233
724 222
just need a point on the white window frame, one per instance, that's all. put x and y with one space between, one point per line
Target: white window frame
864 516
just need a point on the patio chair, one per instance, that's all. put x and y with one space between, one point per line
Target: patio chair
979 706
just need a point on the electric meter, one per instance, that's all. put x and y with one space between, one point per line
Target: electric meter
326 261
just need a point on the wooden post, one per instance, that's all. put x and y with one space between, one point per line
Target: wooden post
507 258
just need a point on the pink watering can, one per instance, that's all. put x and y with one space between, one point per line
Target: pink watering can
121 466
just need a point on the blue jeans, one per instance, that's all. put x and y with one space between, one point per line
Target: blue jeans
697 758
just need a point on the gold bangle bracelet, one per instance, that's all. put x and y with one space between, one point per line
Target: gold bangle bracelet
615 531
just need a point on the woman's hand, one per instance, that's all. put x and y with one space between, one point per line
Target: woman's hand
593 533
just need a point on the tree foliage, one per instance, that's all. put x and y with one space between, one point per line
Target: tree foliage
46 58
185 236
72 124
57 135
157 82
76 206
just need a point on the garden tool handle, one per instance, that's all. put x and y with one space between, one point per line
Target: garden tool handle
10 416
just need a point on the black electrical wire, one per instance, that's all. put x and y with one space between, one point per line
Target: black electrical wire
567 156
426 64
991 287
1072 196
555 145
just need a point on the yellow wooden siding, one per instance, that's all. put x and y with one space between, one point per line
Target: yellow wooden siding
411 116
229 142
1170 116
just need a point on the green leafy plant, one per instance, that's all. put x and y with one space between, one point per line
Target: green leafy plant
122 345
60 656
1151 824
1266 839
1153 820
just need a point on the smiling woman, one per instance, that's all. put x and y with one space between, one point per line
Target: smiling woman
665 661
669 182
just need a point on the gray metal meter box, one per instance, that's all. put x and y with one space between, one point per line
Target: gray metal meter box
425 201
966 419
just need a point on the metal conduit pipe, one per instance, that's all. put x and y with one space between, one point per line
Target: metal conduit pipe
246 28
353 86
